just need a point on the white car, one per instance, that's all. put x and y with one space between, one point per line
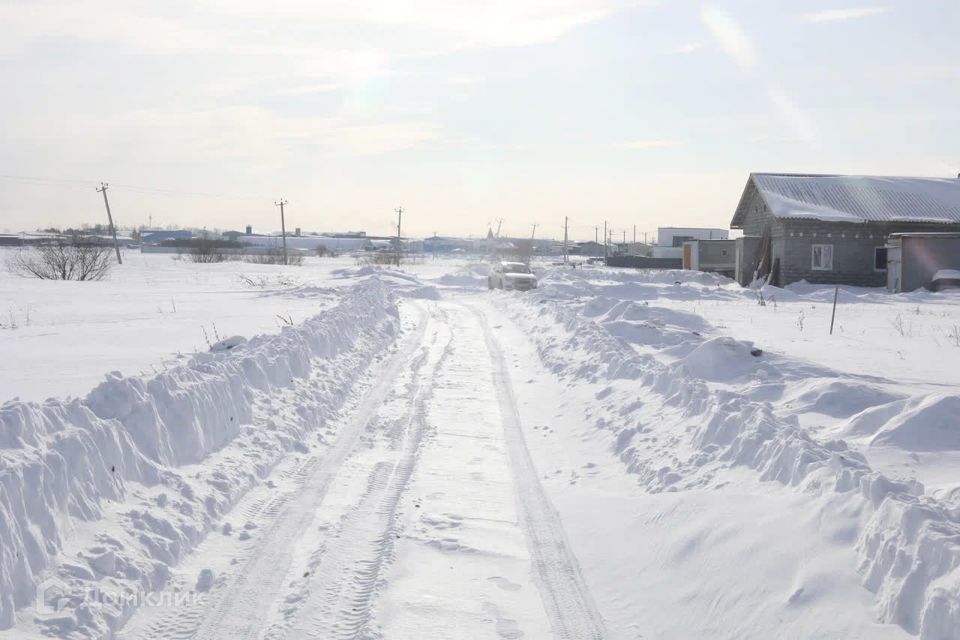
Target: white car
511 275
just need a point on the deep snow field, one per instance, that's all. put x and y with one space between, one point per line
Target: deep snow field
345 451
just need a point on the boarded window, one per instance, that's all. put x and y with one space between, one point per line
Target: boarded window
822 257
880 259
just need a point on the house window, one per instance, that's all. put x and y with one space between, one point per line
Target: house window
880 259
822 257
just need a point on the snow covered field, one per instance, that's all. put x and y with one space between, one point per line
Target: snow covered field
615 455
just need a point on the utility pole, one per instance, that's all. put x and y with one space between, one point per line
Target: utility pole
533 234
116 245
499 224
634 234
566 221
596 234
604 238
624 236
399 211
283 227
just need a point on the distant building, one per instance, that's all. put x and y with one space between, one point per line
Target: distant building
634 249
156 236
833 229
444 244
336 243
714 256
589 248
670 239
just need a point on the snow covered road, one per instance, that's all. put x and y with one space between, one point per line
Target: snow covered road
424 458
426 513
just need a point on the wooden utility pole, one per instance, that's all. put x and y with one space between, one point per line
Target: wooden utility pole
399 211
604 238
528 256
113 230
566 223
283 227
596 234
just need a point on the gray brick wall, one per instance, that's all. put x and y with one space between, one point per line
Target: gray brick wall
758 217
853 253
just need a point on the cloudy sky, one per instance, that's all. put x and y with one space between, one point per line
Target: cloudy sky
202 113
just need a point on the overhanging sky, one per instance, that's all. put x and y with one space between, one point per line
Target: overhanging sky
643 113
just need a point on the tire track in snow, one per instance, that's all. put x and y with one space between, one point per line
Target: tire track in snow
343 588
238 609
570 607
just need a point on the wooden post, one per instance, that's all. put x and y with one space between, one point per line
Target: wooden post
283 227
113 230
399 211
836 292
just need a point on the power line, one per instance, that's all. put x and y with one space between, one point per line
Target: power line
143 190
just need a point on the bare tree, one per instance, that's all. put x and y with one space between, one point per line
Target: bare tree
276 256
63 259
206 251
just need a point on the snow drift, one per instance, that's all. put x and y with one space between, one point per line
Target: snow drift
908 543
65 462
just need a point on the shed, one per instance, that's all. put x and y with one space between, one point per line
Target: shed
914 258
715 256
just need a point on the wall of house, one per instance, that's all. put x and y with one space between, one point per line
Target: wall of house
715 255
854 248
922 257
747 248
758 218
853 253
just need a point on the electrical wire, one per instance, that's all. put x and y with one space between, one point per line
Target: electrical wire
150 191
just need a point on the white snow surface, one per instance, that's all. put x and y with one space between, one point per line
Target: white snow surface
617 454
176 450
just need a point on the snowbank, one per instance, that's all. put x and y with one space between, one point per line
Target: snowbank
933 424
908 544
65 462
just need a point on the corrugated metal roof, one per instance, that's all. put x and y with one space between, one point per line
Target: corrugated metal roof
860 198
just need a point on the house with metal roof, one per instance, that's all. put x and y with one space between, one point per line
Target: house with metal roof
833 229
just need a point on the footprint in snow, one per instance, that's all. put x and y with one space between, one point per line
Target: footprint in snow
504 584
